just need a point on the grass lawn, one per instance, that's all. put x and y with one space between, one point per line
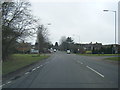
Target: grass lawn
113 58
18 61
99 54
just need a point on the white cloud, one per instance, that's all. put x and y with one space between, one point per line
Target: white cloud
71 1
85 19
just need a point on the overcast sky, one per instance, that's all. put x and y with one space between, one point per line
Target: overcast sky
83 20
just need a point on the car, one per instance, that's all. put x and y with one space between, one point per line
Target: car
68 51
54 50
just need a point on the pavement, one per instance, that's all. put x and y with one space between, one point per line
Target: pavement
64 70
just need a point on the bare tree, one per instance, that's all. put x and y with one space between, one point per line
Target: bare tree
42 38
17 22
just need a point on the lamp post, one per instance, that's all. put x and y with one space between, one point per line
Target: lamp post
115 25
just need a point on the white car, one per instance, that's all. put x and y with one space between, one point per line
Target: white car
55 50
68 51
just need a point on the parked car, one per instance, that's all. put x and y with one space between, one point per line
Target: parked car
68 51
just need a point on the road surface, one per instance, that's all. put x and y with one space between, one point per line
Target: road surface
64 70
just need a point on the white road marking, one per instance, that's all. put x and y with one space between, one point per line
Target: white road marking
81 63
27 72
9 82
38 67
41 65
3 85
95 71
34 69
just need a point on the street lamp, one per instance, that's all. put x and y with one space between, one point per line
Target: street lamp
115 21
115 24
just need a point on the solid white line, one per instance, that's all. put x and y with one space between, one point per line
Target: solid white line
95 71
27 72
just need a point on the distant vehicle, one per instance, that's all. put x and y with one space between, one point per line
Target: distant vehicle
68 51
54 50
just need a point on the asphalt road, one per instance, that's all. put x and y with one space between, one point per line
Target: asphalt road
63 70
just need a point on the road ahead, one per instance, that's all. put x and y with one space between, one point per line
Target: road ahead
63 70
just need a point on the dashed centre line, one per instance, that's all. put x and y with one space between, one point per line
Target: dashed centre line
79 62
95 71
92 69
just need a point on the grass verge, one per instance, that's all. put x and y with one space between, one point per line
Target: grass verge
113 58
100 54
18 61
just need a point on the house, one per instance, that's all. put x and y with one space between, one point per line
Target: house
115 48
91 46
23 47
